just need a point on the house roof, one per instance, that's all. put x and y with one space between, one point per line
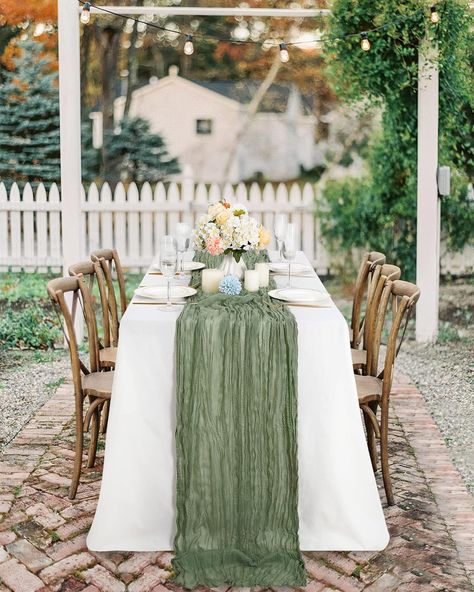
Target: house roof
274 101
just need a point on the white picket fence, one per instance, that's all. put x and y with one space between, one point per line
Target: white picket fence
133 220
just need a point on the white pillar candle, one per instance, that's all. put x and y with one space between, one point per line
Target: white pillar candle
252 281
211 278
263 274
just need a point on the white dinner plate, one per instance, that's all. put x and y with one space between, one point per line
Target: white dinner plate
161 292
188 266
299 295
296 268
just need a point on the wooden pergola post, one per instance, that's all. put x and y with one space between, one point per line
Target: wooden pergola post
428 207
70 126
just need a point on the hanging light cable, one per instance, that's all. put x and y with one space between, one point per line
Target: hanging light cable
434 16
284 53
189 45
364 41
86 13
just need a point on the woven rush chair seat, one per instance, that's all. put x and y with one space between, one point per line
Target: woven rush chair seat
369 388
359 357
98 384
108 356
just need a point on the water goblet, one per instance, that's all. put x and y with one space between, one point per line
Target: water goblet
279 229
168 260
182 233
290 246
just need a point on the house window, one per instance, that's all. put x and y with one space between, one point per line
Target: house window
204 126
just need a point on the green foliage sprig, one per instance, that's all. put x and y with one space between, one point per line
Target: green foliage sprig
380 210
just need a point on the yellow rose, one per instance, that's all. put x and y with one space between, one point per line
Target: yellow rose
223 216
264 237
215 209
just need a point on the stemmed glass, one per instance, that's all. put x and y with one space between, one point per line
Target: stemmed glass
279 228
168 260
182 233
290 245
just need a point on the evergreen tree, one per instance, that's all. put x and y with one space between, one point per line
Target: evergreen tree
134 154
137 154
29 119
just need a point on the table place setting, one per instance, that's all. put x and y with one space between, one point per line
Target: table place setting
228 393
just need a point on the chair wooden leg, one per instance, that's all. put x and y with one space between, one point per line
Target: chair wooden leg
371 439
78 458
105 417
387 481
94 438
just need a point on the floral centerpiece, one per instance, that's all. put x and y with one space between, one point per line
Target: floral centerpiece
228 229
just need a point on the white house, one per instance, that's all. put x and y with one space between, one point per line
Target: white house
202 124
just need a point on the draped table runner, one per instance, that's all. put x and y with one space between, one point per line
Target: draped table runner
237 477
338 501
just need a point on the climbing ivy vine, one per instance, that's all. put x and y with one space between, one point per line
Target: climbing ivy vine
379 210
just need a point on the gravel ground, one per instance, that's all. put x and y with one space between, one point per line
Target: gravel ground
444 373
27 380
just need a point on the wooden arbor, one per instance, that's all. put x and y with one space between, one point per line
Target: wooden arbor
428 218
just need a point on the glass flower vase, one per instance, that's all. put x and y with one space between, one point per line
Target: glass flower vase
232 267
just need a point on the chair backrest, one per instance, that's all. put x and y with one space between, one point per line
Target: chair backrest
369 264
404 296
383 276
108 259
75 288
91 271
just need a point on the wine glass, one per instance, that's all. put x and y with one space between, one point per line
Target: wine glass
290 246
168 260
279 229
182 233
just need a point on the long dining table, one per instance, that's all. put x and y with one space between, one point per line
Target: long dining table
338 501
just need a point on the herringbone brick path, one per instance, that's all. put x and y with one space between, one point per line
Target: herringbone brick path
42 533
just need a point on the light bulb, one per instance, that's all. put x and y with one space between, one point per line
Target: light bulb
86 13
284 53
189 46
364 42
434 17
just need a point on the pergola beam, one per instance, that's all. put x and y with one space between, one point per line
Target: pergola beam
209 11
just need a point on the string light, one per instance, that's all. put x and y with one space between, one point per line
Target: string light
284 53
434 16
86 13
364 41
189 45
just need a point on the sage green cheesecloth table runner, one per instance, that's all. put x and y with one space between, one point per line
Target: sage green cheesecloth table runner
237 476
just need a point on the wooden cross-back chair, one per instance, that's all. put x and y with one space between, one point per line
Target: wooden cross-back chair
382 274
363 285
89 383
109 262
373 390
92 272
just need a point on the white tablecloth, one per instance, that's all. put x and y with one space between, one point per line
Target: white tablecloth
339 506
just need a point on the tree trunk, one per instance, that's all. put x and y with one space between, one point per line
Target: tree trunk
252 111
110 42
86 42
132 66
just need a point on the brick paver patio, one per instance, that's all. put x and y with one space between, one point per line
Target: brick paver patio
42 533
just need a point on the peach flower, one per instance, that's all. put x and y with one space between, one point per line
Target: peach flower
214 245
